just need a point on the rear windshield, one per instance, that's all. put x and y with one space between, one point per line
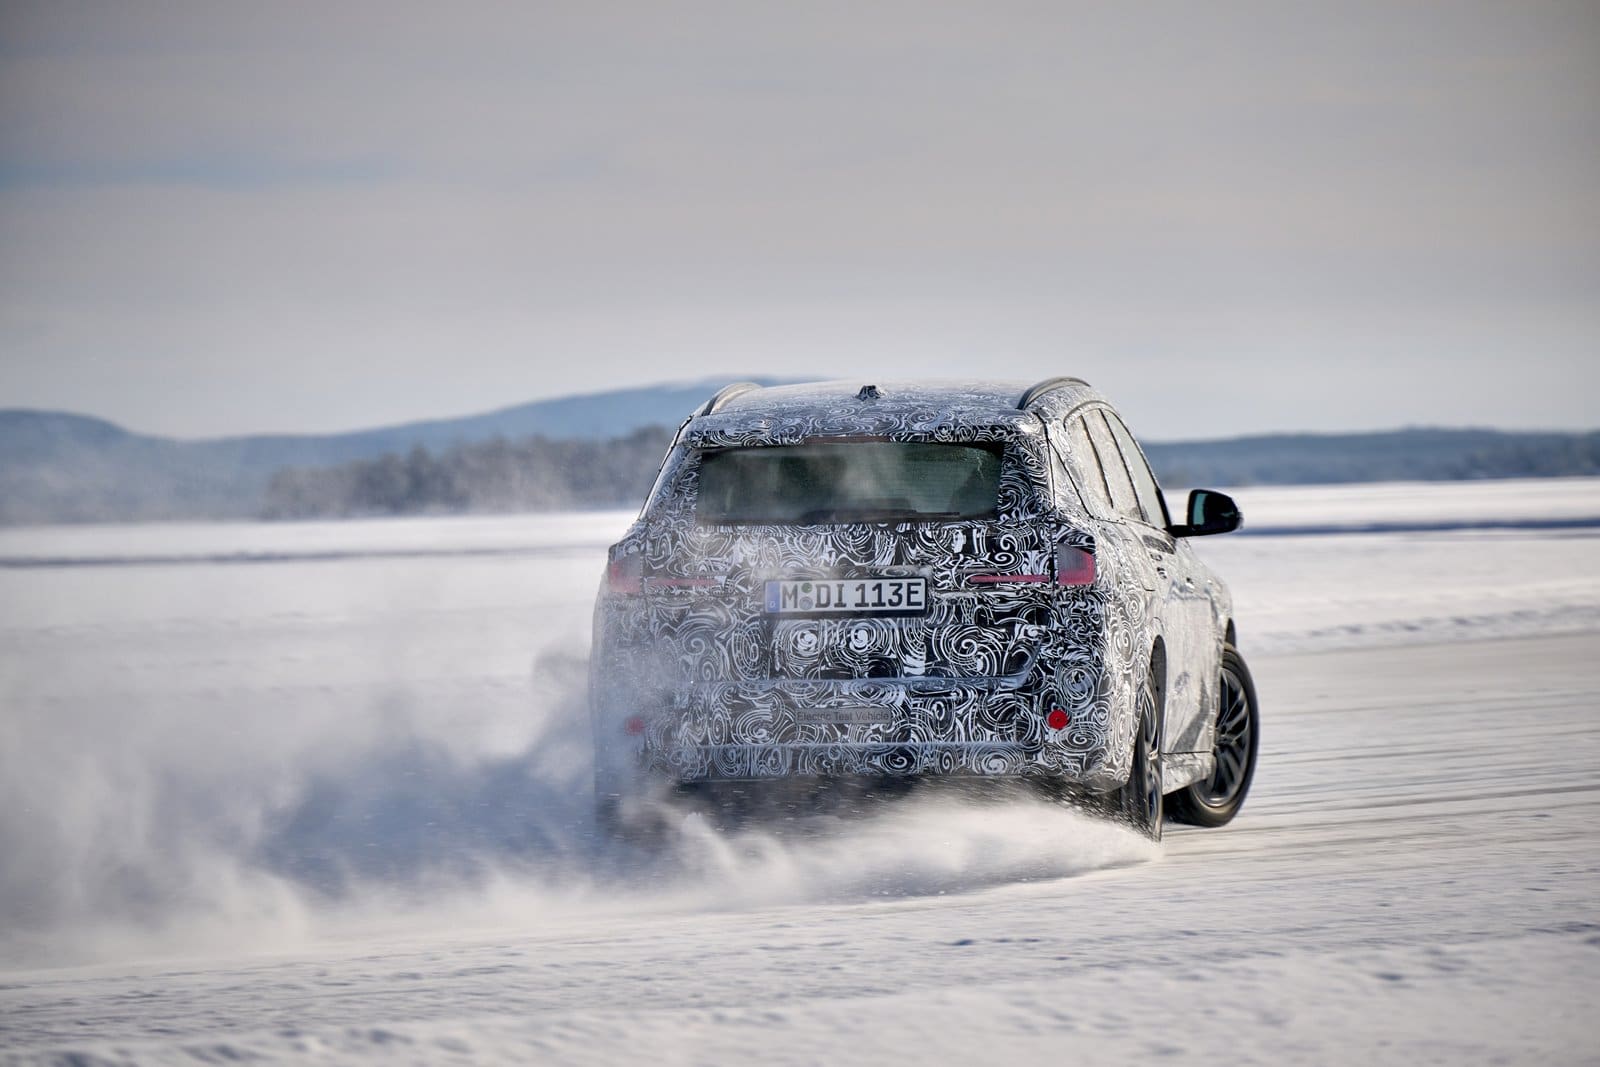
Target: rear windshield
849 481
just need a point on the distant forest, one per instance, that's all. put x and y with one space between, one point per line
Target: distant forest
1412 455
544 474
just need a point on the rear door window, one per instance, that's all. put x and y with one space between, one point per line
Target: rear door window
1086 471
1123 498
849 481
1144 481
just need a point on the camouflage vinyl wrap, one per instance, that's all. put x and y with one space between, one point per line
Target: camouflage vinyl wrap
719 689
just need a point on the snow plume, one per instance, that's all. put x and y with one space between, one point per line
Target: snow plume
170 831
224 816
918 846
222 739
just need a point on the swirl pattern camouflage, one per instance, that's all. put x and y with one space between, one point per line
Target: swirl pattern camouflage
1011 668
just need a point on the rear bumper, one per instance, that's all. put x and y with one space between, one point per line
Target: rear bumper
657 723
992 729
748 762
758 763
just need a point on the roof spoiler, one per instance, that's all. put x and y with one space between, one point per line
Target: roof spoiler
725 394
1049 385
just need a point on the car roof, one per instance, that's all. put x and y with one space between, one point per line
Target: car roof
750 414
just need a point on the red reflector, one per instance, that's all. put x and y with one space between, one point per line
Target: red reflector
1074 566
634 726
1058 719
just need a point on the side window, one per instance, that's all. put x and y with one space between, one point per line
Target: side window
1061 480
1144 482
662 496
1117 480
1086 470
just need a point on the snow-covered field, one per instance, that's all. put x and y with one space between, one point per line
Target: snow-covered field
317 792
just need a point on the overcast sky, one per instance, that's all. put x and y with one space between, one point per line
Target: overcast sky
223 218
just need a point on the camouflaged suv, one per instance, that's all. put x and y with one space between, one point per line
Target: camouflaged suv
898 581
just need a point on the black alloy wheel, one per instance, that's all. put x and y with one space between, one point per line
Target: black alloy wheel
1216 800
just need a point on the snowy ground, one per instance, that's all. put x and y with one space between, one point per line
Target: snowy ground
316 791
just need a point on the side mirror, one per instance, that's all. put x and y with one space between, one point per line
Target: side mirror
1210 512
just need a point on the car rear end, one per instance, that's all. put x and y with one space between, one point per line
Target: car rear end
851 605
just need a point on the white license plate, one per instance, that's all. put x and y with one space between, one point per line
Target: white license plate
851 596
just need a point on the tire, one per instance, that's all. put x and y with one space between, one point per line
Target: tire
1216 800
1140 801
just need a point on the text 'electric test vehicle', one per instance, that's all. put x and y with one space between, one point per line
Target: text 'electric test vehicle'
843 582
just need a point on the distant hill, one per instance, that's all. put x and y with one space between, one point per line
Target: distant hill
57 467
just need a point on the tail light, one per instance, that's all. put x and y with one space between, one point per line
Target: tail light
1074 566
625 575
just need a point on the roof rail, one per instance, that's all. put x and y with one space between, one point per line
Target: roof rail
725 394
1047 386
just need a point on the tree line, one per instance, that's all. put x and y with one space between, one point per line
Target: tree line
547 474
1416 455
531 474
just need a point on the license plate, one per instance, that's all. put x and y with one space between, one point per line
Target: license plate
851 596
